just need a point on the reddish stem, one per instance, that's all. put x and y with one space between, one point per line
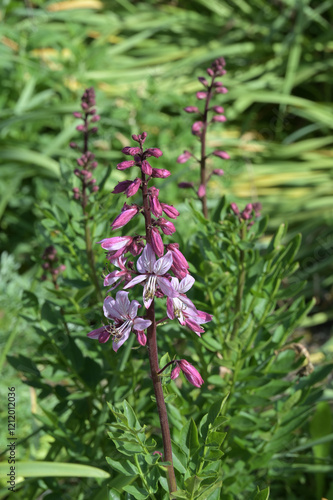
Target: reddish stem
153 356
203 176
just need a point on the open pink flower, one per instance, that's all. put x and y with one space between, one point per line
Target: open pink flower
182 308
113 278
123 313
152 274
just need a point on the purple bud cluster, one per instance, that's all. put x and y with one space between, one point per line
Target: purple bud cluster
86 161
50 265
199 127
251 211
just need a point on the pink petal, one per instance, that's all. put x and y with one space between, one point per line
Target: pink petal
163 264
135 281
166 287
186 283
141 324
146 261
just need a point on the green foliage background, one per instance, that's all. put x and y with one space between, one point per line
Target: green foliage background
143 59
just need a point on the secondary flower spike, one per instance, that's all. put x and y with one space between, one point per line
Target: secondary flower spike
204 117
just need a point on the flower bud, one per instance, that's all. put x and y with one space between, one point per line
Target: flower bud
95 118
160 173
203 81
218 171
121 187
127 213
201 191
77 115
218 109
146 167
131 151
219 118
184 157
133 187
170 211
153 152
201 95
156 242
221 90
185 185
125 164
191 373
80 128
210 72
221 154
197 127
234 208
191 109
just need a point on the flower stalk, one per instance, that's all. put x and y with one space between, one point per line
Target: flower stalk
154 275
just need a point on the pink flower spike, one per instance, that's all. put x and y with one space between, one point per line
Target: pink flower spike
221 154
191 373
125 216
156 152
146 167
133 188
170 211
184 157
131 151
191 109
121 187
219 118
160 173
201 95
156 242
201 191
125 164
218 171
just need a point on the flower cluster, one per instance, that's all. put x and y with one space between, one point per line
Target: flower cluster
50 265
155 262
250 212
208 115
86 161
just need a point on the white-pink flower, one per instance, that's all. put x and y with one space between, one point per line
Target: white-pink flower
152 274
124 315
182 308
113 278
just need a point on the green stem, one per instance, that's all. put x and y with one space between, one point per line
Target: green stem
143 479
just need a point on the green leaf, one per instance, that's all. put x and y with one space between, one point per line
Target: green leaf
124 467
261 495
54 469
138 493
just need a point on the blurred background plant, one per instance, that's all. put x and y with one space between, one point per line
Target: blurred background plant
143 59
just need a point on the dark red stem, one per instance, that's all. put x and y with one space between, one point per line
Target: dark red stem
153 357
203 175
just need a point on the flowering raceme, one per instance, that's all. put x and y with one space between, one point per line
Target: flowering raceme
200 126
155 262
